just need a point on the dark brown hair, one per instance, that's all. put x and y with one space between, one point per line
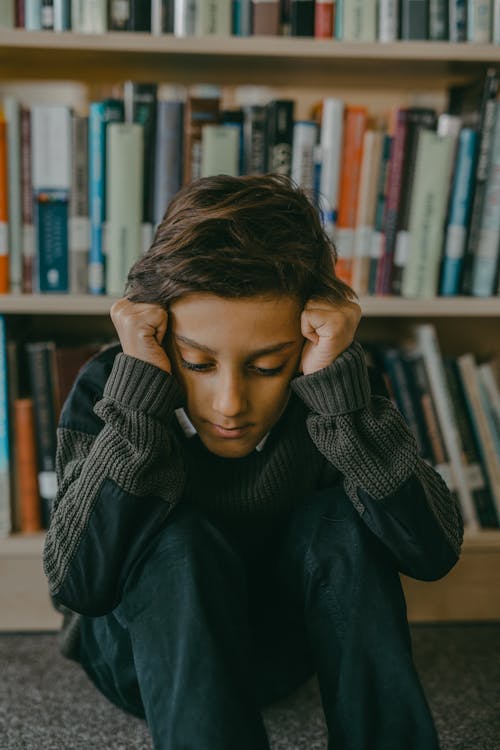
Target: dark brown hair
238 237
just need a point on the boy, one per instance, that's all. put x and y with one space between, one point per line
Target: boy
234 501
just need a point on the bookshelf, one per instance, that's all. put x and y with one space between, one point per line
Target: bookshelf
376 74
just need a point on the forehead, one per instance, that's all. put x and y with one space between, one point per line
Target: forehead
249 323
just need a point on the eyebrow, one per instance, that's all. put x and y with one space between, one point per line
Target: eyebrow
272 349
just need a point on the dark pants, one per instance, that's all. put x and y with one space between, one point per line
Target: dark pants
215 622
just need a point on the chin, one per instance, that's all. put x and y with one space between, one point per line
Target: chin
229 448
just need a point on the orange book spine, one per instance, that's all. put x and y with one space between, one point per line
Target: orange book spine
26 466
355 123
4 214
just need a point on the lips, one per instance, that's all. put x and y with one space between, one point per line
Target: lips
229 432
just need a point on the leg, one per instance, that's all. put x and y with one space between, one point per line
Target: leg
357 626
185 612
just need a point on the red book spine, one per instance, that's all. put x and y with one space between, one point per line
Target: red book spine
324 19
26 465
27 201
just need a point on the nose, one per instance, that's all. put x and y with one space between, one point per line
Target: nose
229 397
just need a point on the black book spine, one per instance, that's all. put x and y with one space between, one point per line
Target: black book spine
280 136
47 15
415 19
302 18
254 139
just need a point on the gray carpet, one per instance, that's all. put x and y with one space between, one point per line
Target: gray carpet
47 703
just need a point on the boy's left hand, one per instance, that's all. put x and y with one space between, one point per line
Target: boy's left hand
329 330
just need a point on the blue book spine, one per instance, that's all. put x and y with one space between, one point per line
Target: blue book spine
100 114
242 17
462 192
458 20
51 228
339 19
5 520
169 150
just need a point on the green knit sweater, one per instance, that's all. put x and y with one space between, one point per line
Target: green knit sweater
123 463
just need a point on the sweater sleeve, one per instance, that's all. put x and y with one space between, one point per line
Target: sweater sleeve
119 473
403 501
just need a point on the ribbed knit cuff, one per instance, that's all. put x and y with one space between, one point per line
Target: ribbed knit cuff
340 388
140 385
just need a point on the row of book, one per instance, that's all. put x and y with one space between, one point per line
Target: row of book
413 205
452 405
350 20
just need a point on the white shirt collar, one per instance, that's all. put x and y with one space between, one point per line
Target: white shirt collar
190 430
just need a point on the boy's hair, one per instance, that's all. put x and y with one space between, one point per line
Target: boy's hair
238 237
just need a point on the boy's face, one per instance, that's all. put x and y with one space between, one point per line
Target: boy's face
235 360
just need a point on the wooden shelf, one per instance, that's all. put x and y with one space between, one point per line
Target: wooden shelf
373 307
117 55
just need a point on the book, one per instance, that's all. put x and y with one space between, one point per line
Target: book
365 216
185 17
78 220
496 22
479 21
305 137
4 208
254 139
27 496
198 111
418 118
457 20
213 17
242 17
339 19
47 15
324 19
219 150
89 16
140 107
398 129
168 159
14 386
414 19
427 214
234 118
7 15
377 241
359 21
129 15
265 17
40 364
438 20
100 115
162 17
470 382
12 111
428 345
459 212
388 20
32 15
280 118
491 399
5 514
28 229
302 17
124 190
485 127
62 15
67 363
51 268
355 123
331 139
486 257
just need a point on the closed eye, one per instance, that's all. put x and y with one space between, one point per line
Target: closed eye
264 371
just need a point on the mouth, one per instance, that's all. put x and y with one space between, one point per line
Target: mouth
237 431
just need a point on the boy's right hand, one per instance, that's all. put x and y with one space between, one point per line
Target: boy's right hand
141 327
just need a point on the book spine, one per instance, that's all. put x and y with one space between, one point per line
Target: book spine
479 21
360 21
142 97
365 217
388 20
399 130
429 347
302 18
220 150
62 15
51 239
457 20
168 163
459 212
355 126
266 17
197 113
486 129
438 20
254 139
89 16
305 136
213 17
5 513
140 17
339 19
124 169
47 15
40 363
33 15
4 209
324 19
184 17
12 112
488 248
377 242
496 22
78 224
415 19
280 136
119 14
28 230
242 17
19 15
331 137
28 497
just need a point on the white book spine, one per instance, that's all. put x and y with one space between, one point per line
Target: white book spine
219 150
5 518
51 147
32 15
12 112
360 21
213 17
496 21
157 17
62 15
429 347
331 154
388 20
185 17
479 21
89 16
305 136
